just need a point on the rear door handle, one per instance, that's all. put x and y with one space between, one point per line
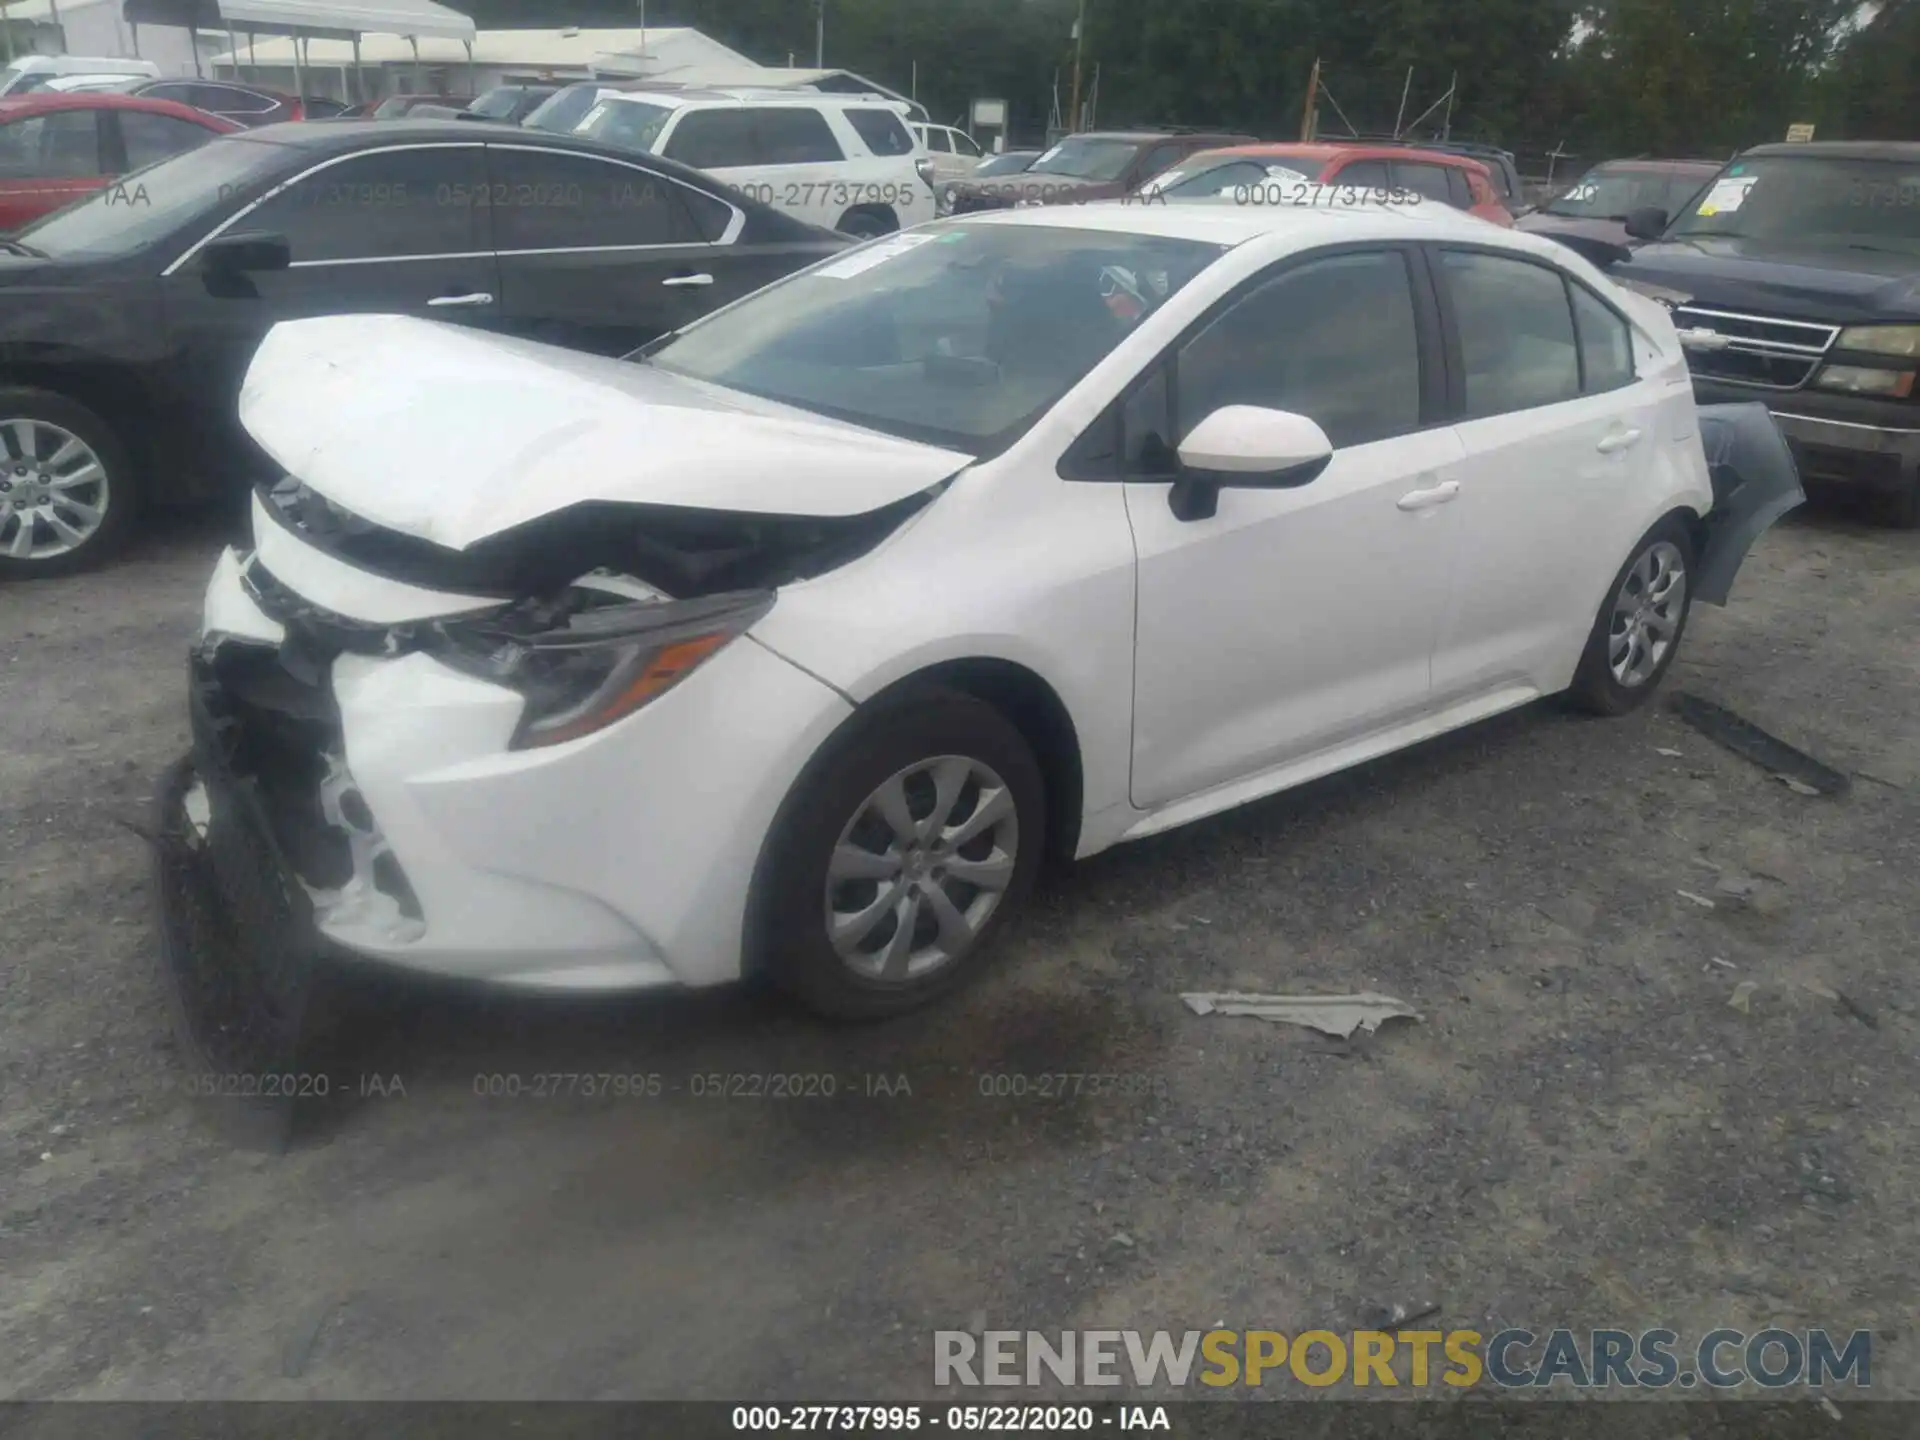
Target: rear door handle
688 280
1617 440
478 298
1426 499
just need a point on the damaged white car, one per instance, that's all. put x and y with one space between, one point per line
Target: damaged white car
791 646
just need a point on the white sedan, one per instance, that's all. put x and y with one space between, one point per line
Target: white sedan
792 645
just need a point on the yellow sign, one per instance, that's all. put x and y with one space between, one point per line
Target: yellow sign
1799 134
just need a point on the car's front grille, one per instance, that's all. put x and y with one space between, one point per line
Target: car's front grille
1760 350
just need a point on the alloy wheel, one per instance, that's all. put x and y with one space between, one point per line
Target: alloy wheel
53 490
920 869
1647 614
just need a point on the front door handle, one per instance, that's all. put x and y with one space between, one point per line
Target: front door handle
688 280
1426 499
478 298
1617 440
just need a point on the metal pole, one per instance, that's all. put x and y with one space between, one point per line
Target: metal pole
1313 91
6 28
299 74
473 87
1079 49
359 75
233 50
1446 126
418 84
193 39
819 34
1404 89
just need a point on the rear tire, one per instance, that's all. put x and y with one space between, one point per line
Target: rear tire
844 914
1640 625
68 500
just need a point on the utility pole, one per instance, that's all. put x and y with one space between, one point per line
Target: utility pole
1404 91
1313 93
1453 87
1079 47
819 34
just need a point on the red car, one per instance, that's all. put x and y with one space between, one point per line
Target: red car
56 147
1431 174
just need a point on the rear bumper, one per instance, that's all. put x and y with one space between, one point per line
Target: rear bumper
1847 450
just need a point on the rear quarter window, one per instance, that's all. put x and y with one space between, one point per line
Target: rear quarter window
881 131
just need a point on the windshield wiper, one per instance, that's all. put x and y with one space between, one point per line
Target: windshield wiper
20 247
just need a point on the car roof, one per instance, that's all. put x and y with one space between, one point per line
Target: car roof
1359 149
1842 149
679 99
1663 167
1229 223
245 85
40 101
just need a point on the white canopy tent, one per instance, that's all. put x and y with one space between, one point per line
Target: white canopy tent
305 20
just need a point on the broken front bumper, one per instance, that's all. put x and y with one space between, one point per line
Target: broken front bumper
1755 481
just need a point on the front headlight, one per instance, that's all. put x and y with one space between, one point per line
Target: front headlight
596 657
1881 339
1865 380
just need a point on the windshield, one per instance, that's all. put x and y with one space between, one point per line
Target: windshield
1813 199
961 337
1087 159
148 205
631 123
562 110
498 103
1224 177
1613 192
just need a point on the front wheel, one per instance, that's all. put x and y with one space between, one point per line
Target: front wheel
1637 632
66 486
868 222
896 860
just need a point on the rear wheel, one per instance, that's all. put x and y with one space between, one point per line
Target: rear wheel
67 497
897 859
1637 632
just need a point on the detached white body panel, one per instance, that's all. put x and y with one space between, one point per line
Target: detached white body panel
1409 585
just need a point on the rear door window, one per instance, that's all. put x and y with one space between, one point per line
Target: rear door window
151 137
794 135
1427 181
550 200
1363 175
1517 343
60 144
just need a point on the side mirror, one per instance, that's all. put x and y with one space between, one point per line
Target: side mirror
1647 223
1246 447
245 253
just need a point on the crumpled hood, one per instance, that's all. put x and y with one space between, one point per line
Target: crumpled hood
1822 282
452 435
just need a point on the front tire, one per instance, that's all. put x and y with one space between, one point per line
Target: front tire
1637 632
67 498
898 858
868 222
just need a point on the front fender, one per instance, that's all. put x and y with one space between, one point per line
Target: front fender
1755 482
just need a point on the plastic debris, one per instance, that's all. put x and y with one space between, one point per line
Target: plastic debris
1723 964
1335 1015
1743 996
1699 900
1832 1410
1670 754
1750 742
1799 787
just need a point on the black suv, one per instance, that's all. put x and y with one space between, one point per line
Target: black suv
1096 165
1794 278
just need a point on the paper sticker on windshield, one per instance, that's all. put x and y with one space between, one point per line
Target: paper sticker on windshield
1291 177
865 258
1727 194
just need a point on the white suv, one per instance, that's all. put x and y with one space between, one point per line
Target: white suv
953 152
846 162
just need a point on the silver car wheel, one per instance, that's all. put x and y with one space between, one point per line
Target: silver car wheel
53 490
1647 614
921 868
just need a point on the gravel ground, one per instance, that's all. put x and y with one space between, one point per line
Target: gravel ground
1581 1131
